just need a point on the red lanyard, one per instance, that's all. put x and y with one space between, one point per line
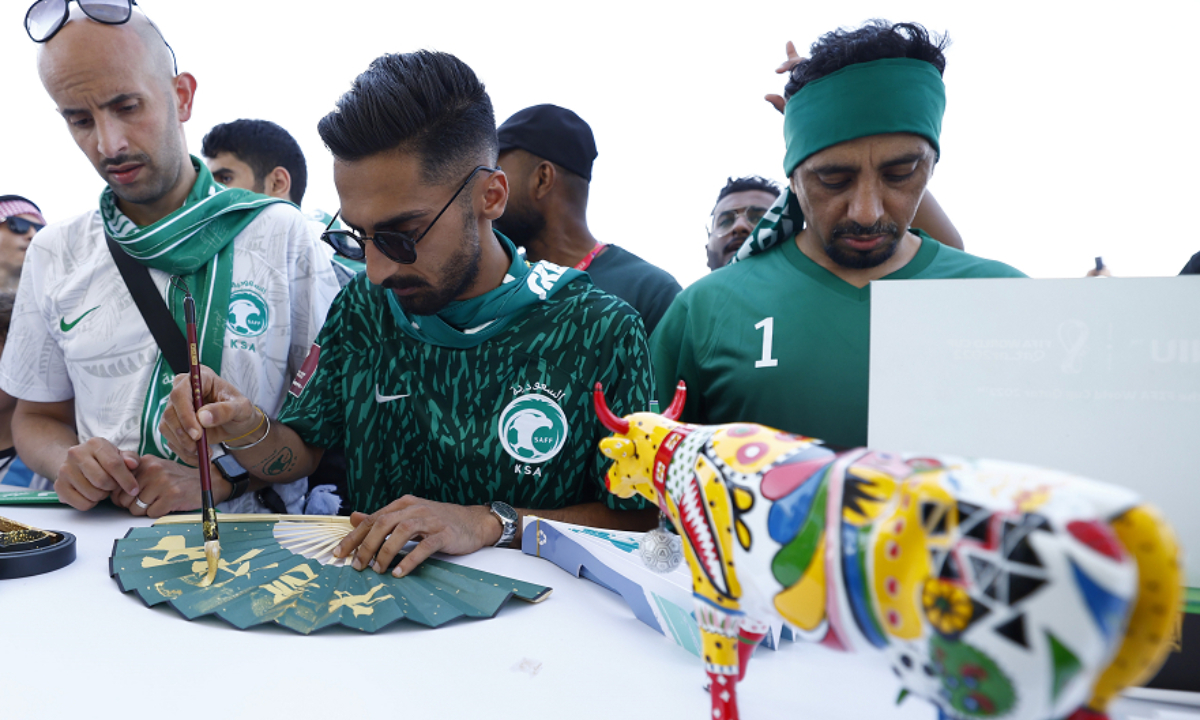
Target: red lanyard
583 264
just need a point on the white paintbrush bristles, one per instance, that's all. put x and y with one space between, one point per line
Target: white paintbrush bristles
212 553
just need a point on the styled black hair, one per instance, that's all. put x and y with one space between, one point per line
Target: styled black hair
745 184
875 40
10 198
263 146
427 103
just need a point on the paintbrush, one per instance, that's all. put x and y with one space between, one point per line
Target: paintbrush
212 542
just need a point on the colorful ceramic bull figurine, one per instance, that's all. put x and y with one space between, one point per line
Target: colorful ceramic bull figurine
997 590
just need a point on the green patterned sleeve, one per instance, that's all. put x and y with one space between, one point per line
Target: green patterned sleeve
313 407
674 354
628 388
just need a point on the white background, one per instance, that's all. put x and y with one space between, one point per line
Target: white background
1068 131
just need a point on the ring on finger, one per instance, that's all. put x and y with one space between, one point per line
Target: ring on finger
139 503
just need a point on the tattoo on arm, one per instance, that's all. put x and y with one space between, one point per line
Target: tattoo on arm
278 463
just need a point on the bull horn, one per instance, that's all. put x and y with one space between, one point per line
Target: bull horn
618 425
676 408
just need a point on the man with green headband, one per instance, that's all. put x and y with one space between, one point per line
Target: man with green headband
457 376
90 377
780 337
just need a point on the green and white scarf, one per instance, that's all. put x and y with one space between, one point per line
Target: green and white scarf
781 221
467 323
893 95
195 244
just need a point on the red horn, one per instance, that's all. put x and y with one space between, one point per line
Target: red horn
676 408
618 425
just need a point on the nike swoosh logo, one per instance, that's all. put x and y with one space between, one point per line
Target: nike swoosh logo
386 398
66 326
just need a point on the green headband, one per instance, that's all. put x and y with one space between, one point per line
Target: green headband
896 95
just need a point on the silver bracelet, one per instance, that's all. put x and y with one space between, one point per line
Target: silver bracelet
247 447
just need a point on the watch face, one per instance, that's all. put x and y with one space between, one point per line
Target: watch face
505 511
230 467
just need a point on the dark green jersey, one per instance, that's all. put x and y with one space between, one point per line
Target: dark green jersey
647 289
510 419
777 339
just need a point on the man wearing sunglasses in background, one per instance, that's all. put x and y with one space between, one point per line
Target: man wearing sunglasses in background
91 379
457 376
20 219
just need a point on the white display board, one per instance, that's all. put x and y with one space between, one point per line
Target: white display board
1099 377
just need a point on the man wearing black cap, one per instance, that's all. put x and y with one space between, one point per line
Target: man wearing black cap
547 153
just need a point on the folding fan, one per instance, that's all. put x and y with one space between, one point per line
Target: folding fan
281 569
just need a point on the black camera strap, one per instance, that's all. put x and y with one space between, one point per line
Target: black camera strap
171 342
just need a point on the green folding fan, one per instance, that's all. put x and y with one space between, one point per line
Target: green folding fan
281 569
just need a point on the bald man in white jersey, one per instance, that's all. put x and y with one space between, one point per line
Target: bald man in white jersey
89 374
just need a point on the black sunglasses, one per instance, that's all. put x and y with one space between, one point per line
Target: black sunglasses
46 17
398 247
20 225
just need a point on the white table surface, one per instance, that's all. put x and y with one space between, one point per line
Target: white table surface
72 645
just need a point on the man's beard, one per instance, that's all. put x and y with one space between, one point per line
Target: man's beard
719 258
154 186
459 271
156 180
848 257
520 224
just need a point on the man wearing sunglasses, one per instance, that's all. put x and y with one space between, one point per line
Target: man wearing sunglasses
89 374
456 375
781 336
20 219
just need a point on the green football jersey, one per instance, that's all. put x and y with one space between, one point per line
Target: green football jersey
510 419
779 340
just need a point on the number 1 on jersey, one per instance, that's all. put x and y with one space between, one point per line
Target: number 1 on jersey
768 328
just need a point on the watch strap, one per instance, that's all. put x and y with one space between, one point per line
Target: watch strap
239 483
508 522
239 488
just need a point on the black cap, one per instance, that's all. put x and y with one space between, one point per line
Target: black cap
552 133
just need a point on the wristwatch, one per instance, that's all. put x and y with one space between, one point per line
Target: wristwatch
234 474
508 522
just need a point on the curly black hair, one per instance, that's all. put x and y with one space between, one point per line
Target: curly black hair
875 40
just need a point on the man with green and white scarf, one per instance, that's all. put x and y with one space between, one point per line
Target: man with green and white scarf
457 377
781 336
91 380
